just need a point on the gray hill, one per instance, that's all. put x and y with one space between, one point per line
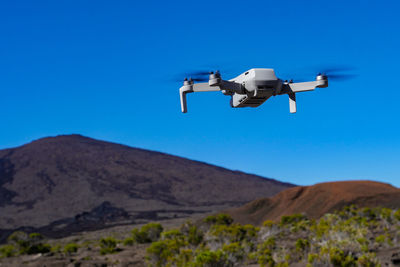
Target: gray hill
71 183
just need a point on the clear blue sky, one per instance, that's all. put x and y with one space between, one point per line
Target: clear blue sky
103 69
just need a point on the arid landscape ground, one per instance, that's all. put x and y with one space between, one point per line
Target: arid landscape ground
74 201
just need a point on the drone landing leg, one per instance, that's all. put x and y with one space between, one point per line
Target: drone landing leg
292 103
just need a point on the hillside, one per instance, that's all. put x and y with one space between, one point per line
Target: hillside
70 183
314 201
349 237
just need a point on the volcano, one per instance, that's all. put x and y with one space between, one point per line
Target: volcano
71 183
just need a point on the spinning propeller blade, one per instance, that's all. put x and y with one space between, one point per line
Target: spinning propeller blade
334 73
338 73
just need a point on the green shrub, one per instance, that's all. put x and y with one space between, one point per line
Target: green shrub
234 252
7 251
312 257
148 233
153 230
386 214
194 235
270 244
173 234
160 252
192 232
70 248
397 215
207 258
184 258
28 244
368 260
302 244
35 237
369 213
108 245
20 240
363 244
265 257
56 248
38 248
339 259
380 239
221 219
268 223
291 219
321 228
129 241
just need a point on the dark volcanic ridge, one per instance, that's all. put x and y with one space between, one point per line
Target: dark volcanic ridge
72 183
317 200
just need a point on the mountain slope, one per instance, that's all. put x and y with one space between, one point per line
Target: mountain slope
56 182
314 201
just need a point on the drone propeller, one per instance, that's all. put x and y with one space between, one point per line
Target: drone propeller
340 77
334 73
196 76
338 73
199 79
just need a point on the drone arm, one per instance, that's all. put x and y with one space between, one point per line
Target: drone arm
292 88
190 88
307 86
205 87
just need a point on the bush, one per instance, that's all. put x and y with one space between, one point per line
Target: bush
129 241
28 244
70 248
153 230
368 260
380 239
397 214
265 257
20 240
268 223
291 219
35 237
339 259
302 245
195 236
7 251
193 233
56 248
148 233
108 245
173 234
38 248
160 252
386 214
312 257
234 253
207 258
220 219
184 258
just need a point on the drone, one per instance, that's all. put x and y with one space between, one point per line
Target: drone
251 88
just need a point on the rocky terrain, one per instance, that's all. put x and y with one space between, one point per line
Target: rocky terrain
65 184
349 236
84 202
317 200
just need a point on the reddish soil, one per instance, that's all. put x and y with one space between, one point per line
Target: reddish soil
314 201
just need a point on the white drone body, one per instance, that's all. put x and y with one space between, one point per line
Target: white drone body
252 88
